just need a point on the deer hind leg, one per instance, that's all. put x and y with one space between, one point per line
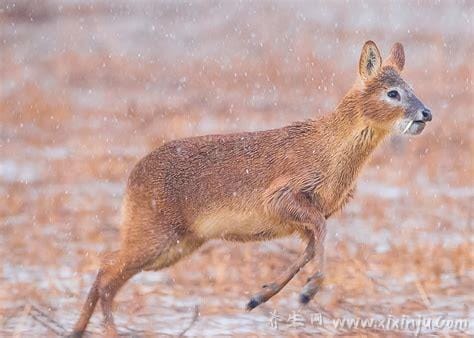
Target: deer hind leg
118 267
115 270
87 309
269 290
115 275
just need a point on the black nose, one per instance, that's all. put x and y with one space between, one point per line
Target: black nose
426 114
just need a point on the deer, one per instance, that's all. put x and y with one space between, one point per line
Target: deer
257 186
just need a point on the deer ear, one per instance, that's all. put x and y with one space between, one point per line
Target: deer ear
397 56
370 60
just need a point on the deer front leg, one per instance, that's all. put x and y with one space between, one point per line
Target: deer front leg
315 281
269 290
298 209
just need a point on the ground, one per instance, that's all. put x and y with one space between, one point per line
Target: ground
88 88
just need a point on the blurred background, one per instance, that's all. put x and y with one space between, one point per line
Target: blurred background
89 87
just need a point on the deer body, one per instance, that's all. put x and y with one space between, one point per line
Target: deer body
254 185
219 194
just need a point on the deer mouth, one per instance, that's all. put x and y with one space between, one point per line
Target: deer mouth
414 127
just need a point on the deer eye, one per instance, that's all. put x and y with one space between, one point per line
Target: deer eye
393 94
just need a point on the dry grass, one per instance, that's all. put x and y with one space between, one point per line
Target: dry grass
87 89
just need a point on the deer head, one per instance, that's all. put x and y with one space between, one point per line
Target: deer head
388 102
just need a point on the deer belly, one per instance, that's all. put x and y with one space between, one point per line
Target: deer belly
238 226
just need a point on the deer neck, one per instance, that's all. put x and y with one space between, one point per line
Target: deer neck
353 140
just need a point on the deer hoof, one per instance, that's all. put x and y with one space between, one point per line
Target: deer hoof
308 294
254 302
311 288
304 298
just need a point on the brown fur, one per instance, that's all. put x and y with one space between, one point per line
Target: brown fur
249 186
